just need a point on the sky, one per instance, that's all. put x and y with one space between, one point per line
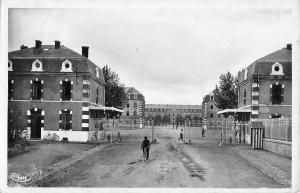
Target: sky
173 52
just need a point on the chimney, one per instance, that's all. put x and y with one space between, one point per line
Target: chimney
38 44
57 44
85 51
23 47
289 46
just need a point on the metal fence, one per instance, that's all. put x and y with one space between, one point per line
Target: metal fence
280 129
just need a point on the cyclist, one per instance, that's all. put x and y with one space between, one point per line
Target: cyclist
145 147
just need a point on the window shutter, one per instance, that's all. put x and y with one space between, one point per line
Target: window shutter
282 93
71 90
60 121
271 94
31 89
42 90
60 89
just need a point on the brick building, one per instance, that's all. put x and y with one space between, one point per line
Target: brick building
265 86
58 90
210 118
134 111
173 111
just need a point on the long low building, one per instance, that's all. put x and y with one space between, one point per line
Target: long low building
176 113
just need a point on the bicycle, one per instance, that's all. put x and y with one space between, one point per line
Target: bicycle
52 137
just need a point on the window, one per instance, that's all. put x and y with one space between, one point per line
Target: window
127 113
66 119
211 115
36 90
134 113
10 89
97 95
276 94
10 65
127 105
66 90
135 105
37 66
66 66
245 96
277 69
211 107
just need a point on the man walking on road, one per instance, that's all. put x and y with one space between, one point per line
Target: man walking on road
146 147
180 136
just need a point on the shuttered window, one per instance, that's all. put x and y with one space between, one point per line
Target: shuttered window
36 90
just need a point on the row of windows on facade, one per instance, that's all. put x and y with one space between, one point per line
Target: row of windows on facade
37 90
37 66
180 110
134 105
135 96
276 94
134 113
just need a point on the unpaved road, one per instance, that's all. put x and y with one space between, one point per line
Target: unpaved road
171 164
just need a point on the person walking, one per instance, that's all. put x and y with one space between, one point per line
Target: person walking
145 148
181 135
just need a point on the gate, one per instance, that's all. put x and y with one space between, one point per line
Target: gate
257 134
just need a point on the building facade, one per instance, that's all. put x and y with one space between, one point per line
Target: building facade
56 89
134 111
265 86
193 112
211 119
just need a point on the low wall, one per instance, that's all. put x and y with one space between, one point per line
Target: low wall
279 147
76 136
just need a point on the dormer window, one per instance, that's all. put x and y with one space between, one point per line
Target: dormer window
37 66
66 66
10 65
277 69
97 72
245 75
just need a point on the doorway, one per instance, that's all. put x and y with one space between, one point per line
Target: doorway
35 124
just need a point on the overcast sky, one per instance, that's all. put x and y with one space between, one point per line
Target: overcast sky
171 51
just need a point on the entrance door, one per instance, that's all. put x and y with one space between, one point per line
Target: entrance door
35 124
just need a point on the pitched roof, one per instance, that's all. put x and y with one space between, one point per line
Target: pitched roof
46 51
132 90
263 66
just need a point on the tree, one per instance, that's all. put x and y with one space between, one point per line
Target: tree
225 95
179 119
166 119
157 119
115 95
16 124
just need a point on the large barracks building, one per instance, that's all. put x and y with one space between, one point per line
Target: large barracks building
58 90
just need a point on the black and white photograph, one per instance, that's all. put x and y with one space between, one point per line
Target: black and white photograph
163 96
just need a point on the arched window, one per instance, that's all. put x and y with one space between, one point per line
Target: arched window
66 66
10 65
37 66
277 69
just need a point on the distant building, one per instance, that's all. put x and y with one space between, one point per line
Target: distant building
265 86
210 118
57 90
134 111
172 111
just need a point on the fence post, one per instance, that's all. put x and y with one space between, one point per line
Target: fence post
286 133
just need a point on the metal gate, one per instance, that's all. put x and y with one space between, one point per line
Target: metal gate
257 134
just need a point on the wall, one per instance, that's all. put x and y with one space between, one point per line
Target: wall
283 148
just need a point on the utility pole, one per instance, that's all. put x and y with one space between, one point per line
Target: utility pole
152 130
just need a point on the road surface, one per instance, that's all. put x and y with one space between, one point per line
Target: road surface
171 164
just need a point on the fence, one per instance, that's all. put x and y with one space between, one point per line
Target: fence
280 129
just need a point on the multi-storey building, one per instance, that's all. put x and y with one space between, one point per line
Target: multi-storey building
134 111
58 90
210 118
173 111
265 86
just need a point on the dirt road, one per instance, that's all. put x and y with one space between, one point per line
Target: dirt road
171 164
